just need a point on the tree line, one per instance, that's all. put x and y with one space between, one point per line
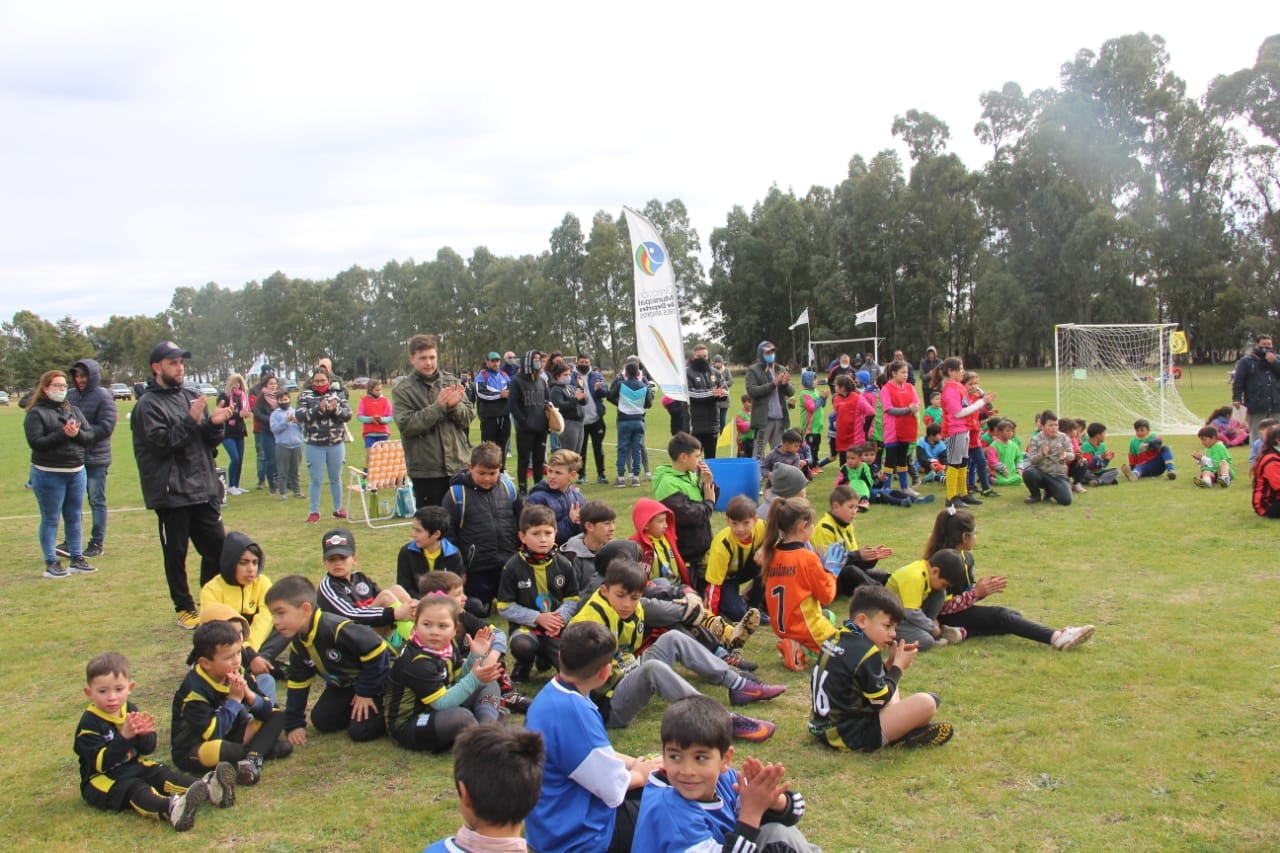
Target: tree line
1114 198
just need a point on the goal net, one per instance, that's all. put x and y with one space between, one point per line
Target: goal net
1119 373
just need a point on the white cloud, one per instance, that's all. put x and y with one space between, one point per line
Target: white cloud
150 146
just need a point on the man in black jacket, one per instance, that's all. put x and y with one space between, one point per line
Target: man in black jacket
705 392
99 409
174 439
1256 383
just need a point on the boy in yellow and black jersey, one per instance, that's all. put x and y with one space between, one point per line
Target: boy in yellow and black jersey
537 594
112 741
730 563
350 658
836 527
856 703
642 670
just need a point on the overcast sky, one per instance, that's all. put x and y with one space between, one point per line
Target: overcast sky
148 146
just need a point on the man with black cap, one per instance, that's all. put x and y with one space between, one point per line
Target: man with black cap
174 439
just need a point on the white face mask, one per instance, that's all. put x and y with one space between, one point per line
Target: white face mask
57 395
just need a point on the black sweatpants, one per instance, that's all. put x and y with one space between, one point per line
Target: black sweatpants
531 453
332 713
197 524
497 430
233 748
594 433
429 491
147 792
985 621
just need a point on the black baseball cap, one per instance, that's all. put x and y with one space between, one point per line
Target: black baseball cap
339 541
168 349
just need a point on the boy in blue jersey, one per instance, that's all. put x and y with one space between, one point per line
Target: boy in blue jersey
590 794
697 801
493 805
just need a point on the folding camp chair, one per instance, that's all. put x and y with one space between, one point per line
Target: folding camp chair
377 485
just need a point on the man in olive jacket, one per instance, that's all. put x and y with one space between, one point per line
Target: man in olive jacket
433 416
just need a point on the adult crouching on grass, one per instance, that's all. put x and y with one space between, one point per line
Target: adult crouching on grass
1266 476
58 434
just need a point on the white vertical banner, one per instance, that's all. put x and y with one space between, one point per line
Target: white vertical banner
659 342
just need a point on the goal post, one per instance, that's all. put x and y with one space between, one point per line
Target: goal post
1119 373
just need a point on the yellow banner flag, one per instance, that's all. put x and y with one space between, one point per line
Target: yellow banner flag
1177 342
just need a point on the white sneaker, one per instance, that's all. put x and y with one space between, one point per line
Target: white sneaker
635 481
953 635
1072 636
221 782
182 809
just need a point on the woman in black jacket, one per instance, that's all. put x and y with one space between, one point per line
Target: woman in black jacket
58 434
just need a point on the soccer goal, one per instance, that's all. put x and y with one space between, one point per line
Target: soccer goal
1119 373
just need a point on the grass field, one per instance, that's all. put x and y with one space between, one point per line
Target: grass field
1158 734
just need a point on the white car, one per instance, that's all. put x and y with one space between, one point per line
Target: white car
120 391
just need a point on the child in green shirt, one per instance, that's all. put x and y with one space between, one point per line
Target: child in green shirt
1215 460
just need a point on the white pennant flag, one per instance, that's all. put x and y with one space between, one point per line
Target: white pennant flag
868 316
802 320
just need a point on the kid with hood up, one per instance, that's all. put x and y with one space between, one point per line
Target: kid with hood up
242 586
99 409
527 404
655 526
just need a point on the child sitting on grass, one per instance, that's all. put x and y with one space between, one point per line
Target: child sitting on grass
797 584
590 794
731 564
427 550
836 528
242 586
856 701
697 801
957 529
687 488
643 666
217 718
856 473
439 685
1010 457
922 588
1233 432
787 452
1097 458
1215 460
655 527
351 658
559 493
931 454
1148 457
493 805
112 739
353 595
599 523
538 594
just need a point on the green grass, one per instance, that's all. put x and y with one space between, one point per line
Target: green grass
1159 733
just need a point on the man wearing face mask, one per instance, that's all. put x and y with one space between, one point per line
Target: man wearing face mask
593 426
705 392
844 367
99 409
174 437
769 386
527 405
1256 383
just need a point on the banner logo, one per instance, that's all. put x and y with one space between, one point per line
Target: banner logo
650 257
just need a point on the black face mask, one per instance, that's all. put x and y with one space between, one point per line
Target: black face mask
584 369
284 404
700 364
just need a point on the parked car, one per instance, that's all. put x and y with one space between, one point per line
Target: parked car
360 382
120 391
4 398
291 385
208 390
190 385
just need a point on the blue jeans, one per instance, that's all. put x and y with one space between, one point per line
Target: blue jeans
59 495
630 440
235 460
265 444
96 484
321 458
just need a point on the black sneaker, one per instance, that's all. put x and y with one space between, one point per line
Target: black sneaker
80 566
516 703
1034 499
62 550
54 570
933 734
94 550
249 770
521 672
971 499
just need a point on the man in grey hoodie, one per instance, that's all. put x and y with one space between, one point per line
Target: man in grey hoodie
769 386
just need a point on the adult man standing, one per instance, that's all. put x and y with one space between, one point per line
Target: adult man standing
433 415
1256 383
174 439
491 401
726 380
769 387
843 367
705 391
99 409
593 425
